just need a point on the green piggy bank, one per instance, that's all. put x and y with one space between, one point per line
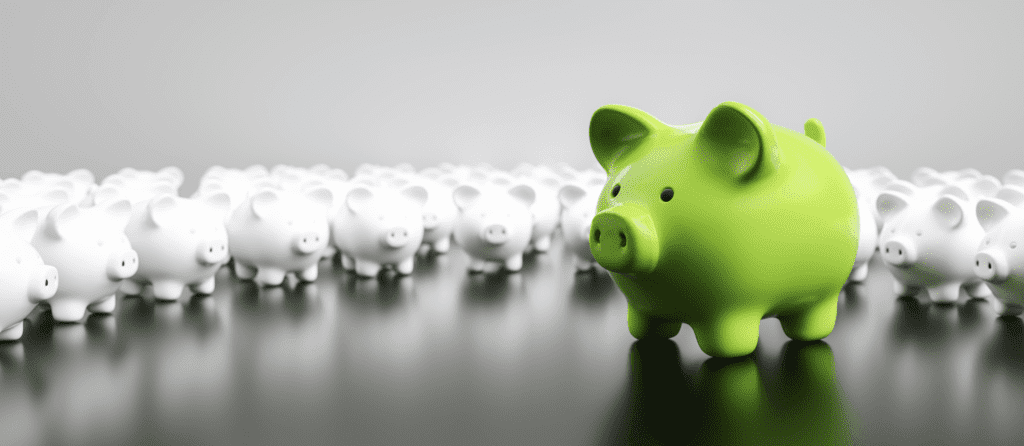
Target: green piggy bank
722 223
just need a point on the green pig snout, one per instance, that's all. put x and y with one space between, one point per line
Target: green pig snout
623 239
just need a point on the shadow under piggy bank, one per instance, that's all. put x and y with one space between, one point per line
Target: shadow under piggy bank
494 289
593 288
732 401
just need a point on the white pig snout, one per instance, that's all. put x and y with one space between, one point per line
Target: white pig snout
495 234
309 242
43 284
899 252
123 265
396 237
992 266
212 252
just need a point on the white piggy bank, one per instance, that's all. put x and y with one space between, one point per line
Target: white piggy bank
929 241
868 234
578 208
24 279
494 225
180 242
274 233
380 227
439 214
92 255
1000 259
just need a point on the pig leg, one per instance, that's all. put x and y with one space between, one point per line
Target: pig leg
729 335
642 326
904 290
205 287
347 263
367 269
442 246
1007 308
945 294
131 287
105 306
269 276
67 310
584 264
476 265
423 250
859 273
310 274
978 289
404 267
514 263
814 322
243 271
491 267
167 290
329 252
13 333
543 244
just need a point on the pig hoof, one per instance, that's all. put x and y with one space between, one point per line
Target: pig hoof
813 323
12 333
646 327
729 337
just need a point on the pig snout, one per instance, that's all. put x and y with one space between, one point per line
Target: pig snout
212 252
623 239
396 237
309 242
430 220
43 284
495 234
123 265
991 265
899 252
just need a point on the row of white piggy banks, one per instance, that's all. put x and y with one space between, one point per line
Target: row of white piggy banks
943 231
133 231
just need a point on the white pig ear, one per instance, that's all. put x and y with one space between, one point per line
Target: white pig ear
163 188
902 186
985 186
955 191
58 220
336 174
465 195
119 212
990 212
923 174
358 199
159 209
24 224
321 195
262 203
948 211
890 203
57 196
416 193
172 172
524 194
1014 177
82 176
448 181
570 194
1012 194
220 202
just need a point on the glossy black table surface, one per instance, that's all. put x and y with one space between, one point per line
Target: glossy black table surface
538 357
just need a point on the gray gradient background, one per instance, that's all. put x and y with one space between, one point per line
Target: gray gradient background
105 85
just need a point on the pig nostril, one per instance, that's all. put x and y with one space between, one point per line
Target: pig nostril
989 266
46 282
622 240
977 263
597 235
900 252
886 250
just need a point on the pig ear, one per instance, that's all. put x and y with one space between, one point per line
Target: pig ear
105 193
1014 177
1011 194
524 194
948 211
448 181
57 196
119 211
902 186
616 130
172 172
570 194
82 176
163 188
358 199
465 195
922 174
24 225
159 209
416 193
58 219
990 212
220 202
321 195
955 191
985 186
262 203
336 174
736 142
890 203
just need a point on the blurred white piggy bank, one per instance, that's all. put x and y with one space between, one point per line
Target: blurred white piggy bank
180 242
868 234
274 233
439 214
1000 260
494 225
380 227
24 279
92 255
929 241
578 208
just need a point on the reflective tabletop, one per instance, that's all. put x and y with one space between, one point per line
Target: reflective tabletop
538 357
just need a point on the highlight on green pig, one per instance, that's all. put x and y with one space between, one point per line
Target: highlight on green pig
722 223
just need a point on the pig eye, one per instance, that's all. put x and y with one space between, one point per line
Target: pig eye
667 194
988 241
919 232
1013 245
615 190
291 222
192 230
